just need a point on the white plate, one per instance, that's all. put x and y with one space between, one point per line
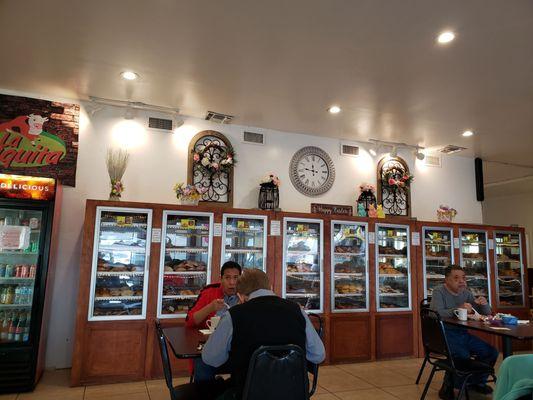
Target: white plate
206 331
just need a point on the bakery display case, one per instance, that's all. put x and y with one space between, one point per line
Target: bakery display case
349 266
185 260
393 272
474 260
120 264
245 240
509 269
437 254
302 262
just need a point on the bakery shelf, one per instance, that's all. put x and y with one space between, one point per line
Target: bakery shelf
243 251
118 273
476 277
349 274
184 273
340 254
109 298
290 273
179 296
349 294
429 258
392 255
514 294
473 259
115 225
508 261
436 243
302 252
392 275
507 244
186 249
434 276
133 249
392 294
513 278
397 238
187 230
252 230
302 294
17 280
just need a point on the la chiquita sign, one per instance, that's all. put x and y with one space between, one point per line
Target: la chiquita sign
39 138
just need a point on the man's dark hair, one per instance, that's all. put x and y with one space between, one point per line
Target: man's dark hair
230 265
450 268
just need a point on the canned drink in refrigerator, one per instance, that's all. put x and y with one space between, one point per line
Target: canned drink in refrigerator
17 271
2 270
33 271
10 271
24 271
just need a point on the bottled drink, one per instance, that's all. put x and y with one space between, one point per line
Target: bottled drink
33 270
2 270
10 295
17 299
3 295
10 271
29 294
19 330
4 329
26 328
12 327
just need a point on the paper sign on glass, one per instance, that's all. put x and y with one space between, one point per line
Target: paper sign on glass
275 228
14 237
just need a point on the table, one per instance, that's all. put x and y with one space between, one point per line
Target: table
521 332
184 341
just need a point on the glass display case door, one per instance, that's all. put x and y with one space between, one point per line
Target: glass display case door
185 264
121 253
437 247
509 269
474 260
393 270
349 266
302 262
245 240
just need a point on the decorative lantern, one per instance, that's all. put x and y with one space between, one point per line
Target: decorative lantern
268 197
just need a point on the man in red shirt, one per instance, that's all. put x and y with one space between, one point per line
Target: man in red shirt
214 299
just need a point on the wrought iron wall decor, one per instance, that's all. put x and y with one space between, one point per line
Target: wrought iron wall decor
218 184
396 200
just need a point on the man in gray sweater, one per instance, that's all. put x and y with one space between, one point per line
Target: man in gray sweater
446 298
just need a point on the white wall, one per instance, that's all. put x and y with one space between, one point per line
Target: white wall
515 209
159 160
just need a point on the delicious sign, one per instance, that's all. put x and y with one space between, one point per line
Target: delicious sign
39 138
26 187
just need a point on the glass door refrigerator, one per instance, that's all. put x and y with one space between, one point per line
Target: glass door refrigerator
185 265
393 283
437 247
475 261
119 277
245 240
26 215
303 274
509 270
349 266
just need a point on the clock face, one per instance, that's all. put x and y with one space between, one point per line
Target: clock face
311 170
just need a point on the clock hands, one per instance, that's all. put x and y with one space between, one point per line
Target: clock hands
312 170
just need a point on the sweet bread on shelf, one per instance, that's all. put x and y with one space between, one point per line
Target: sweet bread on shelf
387 269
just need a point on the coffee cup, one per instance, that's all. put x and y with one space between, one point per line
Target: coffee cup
212 322
461 314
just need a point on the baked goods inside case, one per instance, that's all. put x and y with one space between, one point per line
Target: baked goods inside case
119 269
244 240
393 268
438 254
475 263
349 264
303 264
185 261
509 269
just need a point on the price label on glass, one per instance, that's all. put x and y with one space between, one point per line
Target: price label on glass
242 224
349 232
121 220
302 228
188 223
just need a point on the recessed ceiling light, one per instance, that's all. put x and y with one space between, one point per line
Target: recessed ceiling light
334 110
467 133
129 75
446 37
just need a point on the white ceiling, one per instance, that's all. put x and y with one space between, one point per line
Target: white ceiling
279 64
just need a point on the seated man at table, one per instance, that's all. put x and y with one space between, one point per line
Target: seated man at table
445 299
213 300
262 318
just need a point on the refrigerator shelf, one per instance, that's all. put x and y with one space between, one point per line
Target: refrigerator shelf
14 306
243 251
186 250
180 296
465 243
118 273
17 253
15 280
290 273
507 244
396 238
434 276
109 298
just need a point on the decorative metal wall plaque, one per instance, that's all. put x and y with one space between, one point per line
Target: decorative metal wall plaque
396 200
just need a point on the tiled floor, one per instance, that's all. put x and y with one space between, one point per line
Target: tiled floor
382 380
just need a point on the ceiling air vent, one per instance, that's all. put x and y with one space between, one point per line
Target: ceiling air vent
253 138
160 123
349 150
218 117
433 160
451 149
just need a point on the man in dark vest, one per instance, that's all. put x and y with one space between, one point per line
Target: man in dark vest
262 318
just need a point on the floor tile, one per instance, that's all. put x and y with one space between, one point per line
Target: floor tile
125 396
366 394
104 391
336 380
381 377
8 396
326 396
53 395
411 392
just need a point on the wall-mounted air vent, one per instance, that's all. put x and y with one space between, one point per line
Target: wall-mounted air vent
160 123
253 138
349 150
451 148
433 160
218 117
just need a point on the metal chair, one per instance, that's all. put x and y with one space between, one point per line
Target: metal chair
424 304
440 357
277 372
312 368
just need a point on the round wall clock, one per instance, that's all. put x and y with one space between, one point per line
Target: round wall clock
311 170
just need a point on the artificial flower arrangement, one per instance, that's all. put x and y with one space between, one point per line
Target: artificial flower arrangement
116 161
403 181
367 187
446 213
270 180
188 194
214 157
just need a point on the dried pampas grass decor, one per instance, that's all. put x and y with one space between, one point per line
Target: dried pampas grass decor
117 161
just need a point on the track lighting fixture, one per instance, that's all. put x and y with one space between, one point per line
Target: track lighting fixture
375 145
